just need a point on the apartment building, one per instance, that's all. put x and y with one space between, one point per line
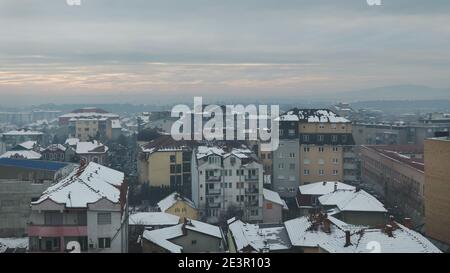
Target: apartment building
15 137
315 145
166 163
91 123
396 174
437 189
227 181
87 208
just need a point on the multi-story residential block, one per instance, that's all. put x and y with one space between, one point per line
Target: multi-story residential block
315 145
23 181
396 174
92 151
87 208
91 123
227 181
15 137
437 189
178 205
191 236
166 163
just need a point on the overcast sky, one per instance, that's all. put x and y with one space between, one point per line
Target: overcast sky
132 49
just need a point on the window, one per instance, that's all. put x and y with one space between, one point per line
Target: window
292 166
321 172
291 132
173 159
334 138
269 206
321 149
230 185
263 156
292 155
320 138
194 242
321 126
335 161
335 149
321 161
335 172
104 243
104 218
281 166
333 126
53 218
344 139
306 161
306 172
343 126
306 149
305 138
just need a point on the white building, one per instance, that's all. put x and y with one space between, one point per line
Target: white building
227 182
88 207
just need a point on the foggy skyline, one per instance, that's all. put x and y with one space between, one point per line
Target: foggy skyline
124 50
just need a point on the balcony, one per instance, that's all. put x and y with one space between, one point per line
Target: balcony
213 178
213 191
213 205
349 155
350 178
57 231
252 178
252 191
253 203
350 166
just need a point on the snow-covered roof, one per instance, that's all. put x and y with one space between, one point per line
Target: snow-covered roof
274 197
89 115
86 184
13 243
162 237
203 151
28 145
22 132
242 153
312 116
115 124
352 200
404 240
55 147
322 188
91 147
72 141
260 239
170 200
26 154
153 219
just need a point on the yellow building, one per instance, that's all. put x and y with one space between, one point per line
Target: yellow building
437 188
165 163
178 205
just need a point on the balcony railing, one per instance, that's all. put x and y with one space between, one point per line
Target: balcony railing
253 203
213 205
56 231
252 178
213 191
252 190
350 166
213 178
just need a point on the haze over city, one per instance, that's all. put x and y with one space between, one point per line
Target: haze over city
160 51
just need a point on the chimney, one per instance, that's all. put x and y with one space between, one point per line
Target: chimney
347 238
335 186
326 225
389 230
324 183
407 222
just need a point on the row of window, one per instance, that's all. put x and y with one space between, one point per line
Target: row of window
321 172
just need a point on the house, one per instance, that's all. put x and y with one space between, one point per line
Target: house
178 205
191 236
355 207
257 238
25 154
27 145
92 151
166 163
227 181
58 152
89 207
22 181
14 137
140 221
72 142
320 233
273 207
308 195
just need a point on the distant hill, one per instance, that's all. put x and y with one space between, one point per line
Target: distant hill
397 92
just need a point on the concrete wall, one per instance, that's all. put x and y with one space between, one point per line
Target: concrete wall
286 179
195 242
437 189
272 212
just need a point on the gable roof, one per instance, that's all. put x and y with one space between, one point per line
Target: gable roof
171 199
312 116
25 154
91 147
86 184
352 200
274 197
322 188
